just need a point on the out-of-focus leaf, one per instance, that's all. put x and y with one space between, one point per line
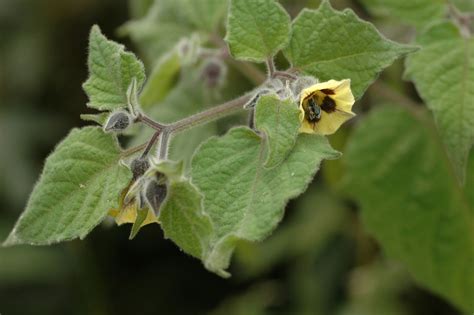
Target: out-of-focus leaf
161 80
464 5
206 15
415 12
375 289
447 87
411 201
255 301
27 265
319 216
167 21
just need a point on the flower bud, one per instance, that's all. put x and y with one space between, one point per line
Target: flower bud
139 166
213 72
155 193
117 122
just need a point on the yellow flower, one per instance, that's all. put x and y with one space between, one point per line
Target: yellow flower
128 213
326 106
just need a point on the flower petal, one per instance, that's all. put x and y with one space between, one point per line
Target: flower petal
331 118
328 124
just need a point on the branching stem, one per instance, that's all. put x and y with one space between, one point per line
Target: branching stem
209 115
164 132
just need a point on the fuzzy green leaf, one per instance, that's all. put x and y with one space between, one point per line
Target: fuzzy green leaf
81 180
447 87
111 71
330 44
181 215
257 29
279 120
411 202
414 12
243 199
183 220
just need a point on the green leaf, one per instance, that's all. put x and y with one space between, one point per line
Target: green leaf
81 180
181 215
161 80
184 222
257 29
279 120
111 71
414 12
330 44
447 87
243 199
411 202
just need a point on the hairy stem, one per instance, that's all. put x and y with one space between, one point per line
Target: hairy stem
209 115
270 67
133 150
151 143
164 144
285 75
150 122
164 132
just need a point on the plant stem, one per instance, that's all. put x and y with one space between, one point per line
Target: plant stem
150 122
164 144
284 74
270 67
151 143
164 132
131 151
209 115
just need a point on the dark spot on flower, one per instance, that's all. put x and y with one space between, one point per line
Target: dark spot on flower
328 91
328 105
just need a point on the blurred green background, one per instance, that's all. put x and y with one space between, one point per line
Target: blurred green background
319 261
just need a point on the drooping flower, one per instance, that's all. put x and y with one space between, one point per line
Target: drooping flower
128 212
326 106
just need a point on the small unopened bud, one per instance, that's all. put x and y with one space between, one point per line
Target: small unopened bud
213 72
139 166
188 50
155 193
300 84
118 121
